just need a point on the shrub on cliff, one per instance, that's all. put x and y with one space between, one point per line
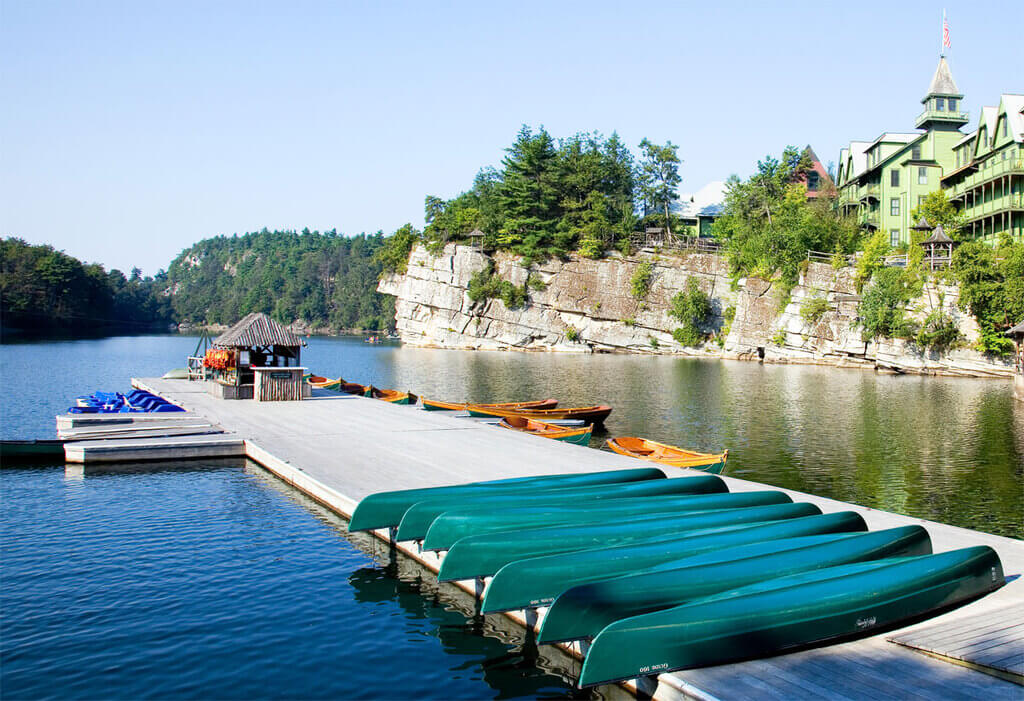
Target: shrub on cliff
393 256
692 307
640 283
486 284
992 288
881 310
813 309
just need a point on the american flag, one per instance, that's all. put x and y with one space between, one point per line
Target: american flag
945 31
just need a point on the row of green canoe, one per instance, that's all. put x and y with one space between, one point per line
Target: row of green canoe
665 574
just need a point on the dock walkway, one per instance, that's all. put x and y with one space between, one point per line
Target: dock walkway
340 448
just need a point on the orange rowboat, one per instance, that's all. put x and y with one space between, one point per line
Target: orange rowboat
668 454
435 405
391 395
587 414
580 435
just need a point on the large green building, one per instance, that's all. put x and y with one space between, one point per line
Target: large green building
883 180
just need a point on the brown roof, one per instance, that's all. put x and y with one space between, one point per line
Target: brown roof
257 329
922 225
938 236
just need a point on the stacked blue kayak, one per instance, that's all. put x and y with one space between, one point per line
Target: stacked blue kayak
137 401
666 574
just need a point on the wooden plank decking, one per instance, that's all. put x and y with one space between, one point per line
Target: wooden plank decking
339 448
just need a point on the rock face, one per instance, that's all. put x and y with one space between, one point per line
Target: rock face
584 306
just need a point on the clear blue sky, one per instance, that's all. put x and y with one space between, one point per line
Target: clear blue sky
132 129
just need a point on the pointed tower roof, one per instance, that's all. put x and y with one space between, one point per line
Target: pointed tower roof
942 81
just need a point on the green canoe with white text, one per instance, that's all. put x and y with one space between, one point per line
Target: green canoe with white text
583 609
803 609
483 555
385 509
420 516
452 525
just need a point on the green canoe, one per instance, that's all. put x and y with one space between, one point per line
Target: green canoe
420 516
459 523
773 616
385 509
582 611
483 555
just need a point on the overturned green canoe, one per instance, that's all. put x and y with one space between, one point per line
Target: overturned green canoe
582 611
770 617
538 581
385 509
450 526
483 555
419 517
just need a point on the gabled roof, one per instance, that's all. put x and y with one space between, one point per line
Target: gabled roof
257 329
988 116
967 137
858 157
1014 106
892 137
706 201
1017 330
938 236
942 82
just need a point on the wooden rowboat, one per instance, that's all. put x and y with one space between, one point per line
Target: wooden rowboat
435 405
668 454
579 436
588 414
391 395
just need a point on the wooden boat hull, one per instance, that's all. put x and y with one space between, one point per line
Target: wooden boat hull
644 449
418 519
575 435
435 405
483 555
803 609
452 525
391 395
385 509
591 414
583 608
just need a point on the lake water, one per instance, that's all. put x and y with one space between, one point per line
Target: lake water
212 580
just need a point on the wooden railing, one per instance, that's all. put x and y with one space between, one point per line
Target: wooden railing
196 371
640 239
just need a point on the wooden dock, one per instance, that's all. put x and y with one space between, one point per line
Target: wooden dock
339 448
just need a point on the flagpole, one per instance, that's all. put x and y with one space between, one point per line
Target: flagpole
942 35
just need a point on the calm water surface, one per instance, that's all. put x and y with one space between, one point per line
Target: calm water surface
211 580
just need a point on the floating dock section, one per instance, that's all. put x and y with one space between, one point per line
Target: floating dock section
339 448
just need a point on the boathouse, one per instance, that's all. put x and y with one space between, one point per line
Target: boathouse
257 358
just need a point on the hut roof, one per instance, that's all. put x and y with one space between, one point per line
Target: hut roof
1017 330
922 225
938 236
257 329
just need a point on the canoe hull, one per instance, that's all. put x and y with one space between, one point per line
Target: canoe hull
790 612
453 525
482 556
385 509
583 611
435 405
592 414
670 455
574 435
420 516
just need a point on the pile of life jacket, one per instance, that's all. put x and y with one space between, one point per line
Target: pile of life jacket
218 359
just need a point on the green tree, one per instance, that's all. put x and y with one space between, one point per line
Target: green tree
529 195
937 209
658 177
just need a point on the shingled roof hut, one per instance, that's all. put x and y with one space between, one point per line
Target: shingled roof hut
257 341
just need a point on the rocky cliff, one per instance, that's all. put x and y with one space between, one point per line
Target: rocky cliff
583 305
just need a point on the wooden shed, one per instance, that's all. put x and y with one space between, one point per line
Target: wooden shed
257 358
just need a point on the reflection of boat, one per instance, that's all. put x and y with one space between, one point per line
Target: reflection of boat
418 518
385 509
668 454
769 617
483 555
588 600
567 434
451 525
391 395
435 405
588 414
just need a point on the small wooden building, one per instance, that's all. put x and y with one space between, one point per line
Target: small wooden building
938 248
1017 334
257 358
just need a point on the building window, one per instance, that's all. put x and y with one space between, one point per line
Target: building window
922 175
1004 156
894 237
915 153
812 181
940 104
920 200
957 159
894 206
1005 128
894 177
952 104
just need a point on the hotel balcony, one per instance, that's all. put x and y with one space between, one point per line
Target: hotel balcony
933 115
1011 166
